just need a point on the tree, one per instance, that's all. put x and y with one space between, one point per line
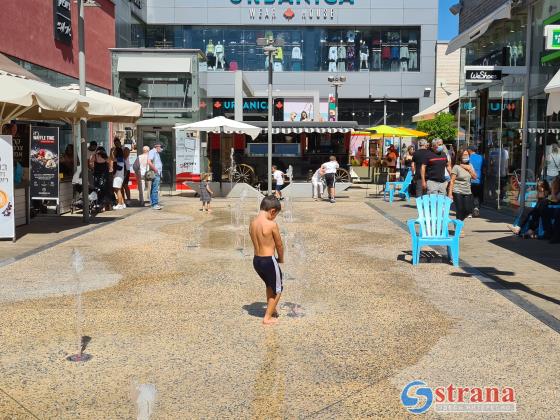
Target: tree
443 126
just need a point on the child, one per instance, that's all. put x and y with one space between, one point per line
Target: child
279 178
266 239
205 193
317 183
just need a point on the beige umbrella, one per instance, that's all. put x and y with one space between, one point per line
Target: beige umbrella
8 66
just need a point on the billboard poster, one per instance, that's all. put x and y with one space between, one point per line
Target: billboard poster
187 155
302 110
43 163
7 214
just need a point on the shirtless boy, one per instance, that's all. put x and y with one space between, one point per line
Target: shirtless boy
266 240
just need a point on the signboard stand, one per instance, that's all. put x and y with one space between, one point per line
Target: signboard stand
44 165
7 198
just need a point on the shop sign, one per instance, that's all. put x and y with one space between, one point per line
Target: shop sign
259 106
187 154
552 34
44 163
482 75
270 14
7 214
63 21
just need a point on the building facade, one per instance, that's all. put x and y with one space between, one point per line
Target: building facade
496 65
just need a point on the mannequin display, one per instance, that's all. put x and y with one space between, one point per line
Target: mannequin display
297 58
220 58
404 57
351 36
376 53
364 56
520 51
341 58
210 55
412 58
333 54
278 59
395 58
350 57
509 53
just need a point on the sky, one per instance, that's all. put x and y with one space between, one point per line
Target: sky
448 24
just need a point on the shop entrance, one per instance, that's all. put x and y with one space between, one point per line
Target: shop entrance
148 137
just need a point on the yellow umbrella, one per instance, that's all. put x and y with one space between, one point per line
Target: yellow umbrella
386 130
413 133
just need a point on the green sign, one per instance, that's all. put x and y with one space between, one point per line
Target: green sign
556 39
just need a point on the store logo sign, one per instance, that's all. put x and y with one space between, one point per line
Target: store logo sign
292 2
289 13
482 75
62 21
552 34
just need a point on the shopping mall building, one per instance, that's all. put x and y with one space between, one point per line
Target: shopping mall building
185 60
506 65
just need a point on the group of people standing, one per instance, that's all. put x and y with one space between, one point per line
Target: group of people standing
110 173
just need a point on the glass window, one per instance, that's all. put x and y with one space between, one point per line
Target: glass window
164 91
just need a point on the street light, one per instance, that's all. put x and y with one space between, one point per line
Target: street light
270 47
83 122
385 100
336 82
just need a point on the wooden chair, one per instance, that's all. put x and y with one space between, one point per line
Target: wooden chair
433 221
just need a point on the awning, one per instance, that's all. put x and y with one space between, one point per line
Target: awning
12 68
289 127
553 90
148 64
431 112
221 125
480 28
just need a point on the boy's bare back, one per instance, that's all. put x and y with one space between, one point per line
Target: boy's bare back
266 237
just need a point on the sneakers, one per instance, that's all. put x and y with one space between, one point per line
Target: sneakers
118 207
157 207
476 212
514 229
333 200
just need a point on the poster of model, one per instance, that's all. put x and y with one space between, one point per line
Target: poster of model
187 154
43 163
7 215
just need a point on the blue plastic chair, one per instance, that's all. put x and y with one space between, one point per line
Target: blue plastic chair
540 231
401 188
433 220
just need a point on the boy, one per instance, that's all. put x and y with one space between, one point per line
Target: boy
266 239
279 178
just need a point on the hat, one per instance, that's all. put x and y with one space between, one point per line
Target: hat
473 148
92 146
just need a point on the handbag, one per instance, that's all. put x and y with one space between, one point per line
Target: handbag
150 175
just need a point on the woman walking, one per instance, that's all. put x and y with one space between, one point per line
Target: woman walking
118 178
460 186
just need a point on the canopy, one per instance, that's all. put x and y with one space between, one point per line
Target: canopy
8 66
386 130
30 99
480 28
440 106
553 90
221 125
104 107
413 133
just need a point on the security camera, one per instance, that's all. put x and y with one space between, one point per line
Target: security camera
427 92
456 8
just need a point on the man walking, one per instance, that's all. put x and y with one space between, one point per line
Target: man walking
417 160
477 162
433 169
330 168
154 162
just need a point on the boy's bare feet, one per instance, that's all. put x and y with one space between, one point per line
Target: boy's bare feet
275 315
270 321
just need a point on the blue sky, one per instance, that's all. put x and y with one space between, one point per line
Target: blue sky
448 24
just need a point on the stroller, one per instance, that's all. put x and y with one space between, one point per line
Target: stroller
77 195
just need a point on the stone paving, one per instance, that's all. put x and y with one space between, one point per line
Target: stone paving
170 299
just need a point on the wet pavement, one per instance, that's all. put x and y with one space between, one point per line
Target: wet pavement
170 299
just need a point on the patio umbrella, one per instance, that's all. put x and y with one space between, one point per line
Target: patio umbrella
386 130
8 66
221 125
33 100
413 133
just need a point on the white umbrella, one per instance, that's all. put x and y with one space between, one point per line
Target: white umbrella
33 100
221 125
108 108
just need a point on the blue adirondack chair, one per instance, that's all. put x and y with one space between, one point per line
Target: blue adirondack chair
401 188
433 221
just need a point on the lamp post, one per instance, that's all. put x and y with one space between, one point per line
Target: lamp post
83 122
270 47
385 100
336 82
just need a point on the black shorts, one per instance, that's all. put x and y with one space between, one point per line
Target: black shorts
269 271
279 187
330 180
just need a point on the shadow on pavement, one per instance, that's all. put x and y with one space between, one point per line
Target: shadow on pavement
540 251
58 224
256 309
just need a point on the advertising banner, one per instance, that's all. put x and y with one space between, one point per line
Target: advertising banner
187 155
302 110
7 214
63 21
43 163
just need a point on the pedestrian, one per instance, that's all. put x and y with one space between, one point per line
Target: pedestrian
140 167
477 188
417 160
206 193
100 165
330 169
391 161
267 242
460 185
155 165
278 176
125 187
118 177
407 160
317 183
434 168
552 163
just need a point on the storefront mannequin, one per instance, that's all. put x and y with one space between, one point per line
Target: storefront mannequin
297 58
220 58
333 55
341 58
279 59
364 56
210 54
